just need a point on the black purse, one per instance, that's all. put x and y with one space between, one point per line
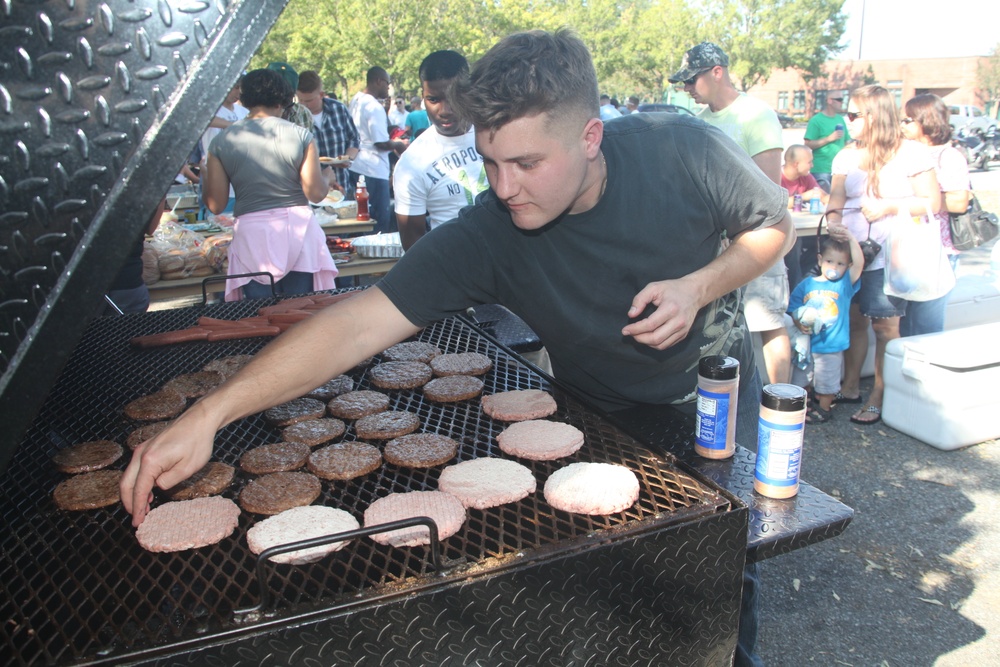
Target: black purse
972 228
869 248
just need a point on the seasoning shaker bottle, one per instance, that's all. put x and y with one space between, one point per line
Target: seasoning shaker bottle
361 195
779 440
715 420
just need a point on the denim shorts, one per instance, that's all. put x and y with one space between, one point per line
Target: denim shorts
872 299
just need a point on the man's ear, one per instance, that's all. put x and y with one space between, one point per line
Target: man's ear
593 135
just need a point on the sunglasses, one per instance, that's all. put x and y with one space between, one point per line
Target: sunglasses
690 82
837 99
907 121
854 115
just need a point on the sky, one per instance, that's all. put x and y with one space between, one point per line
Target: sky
920 29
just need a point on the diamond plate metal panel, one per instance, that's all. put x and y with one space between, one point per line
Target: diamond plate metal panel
100 103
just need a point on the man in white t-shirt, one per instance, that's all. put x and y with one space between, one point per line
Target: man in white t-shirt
230 112
372 160
398 113
440 172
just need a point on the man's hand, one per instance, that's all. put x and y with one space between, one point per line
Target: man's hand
834 136
676 308
166 460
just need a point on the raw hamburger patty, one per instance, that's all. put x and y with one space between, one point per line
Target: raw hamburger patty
211 480
301 523
445 509
483 483
540 440
592 488
87 456
412 351
197 384
453 388
144 433
386 425
88 491
464 363
331 389
314 432
295 411
188 524
358 404
228 365
279 491
164 404
400 375
420 450
277 457
344 460
520 405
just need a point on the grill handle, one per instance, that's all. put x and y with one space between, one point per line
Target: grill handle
264 557
216 279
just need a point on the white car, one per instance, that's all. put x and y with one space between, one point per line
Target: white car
971 119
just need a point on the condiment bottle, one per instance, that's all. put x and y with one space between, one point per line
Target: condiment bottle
779 440
715 421
361 195
796 202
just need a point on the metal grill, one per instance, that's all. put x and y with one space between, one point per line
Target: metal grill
79 588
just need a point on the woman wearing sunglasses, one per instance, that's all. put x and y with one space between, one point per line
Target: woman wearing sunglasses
926 122
874 179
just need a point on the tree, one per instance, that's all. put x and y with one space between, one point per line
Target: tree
988 81
762 35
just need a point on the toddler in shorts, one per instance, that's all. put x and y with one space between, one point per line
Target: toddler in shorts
820 307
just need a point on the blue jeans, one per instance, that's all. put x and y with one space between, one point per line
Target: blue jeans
378 199
294 282
924 317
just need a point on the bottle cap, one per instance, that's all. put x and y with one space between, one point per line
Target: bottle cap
718 367
361 181
783 397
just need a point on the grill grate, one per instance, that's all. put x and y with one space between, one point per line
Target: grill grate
79 588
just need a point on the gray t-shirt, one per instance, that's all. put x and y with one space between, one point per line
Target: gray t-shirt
262 157
674 185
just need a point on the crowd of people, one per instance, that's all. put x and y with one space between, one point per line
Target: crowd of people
517 184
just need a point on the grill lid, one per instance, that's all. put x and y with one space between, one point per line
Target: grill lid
99 106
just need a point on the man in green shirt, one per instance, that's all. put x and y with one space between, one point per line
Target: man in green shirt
826 134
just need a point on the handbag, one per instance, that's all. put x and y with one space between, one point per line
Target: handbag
916 264
973 228
869 247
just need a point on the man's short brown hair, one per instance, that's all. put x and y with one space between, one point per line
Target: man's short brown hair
529 73
310 81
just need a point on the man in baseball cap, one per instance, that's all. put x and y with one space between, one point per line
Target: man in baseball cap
699 59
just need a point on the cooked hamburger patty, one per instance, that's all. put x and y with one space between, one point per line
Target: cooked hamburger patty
520 405
540 439
164 404
412 351
276 457
463 363
314 432
188 524
444 509
295 411
358 404
487 482
592 488
386 425
88 491
297 524
211 480
332 388
344 460
87 456
420 450
144 433
400 375
193 385
453 388
279 491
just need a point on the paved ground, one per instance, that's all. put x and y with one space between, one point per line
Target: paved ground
915 579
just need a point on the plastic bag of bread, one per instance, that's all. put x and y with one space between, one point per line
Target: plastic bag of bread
216 249
150 264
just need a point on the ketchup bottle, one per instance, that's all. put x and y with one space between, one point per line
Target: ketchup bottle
361 195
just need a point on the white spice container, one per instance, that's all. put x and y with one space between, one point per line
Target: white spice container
779 440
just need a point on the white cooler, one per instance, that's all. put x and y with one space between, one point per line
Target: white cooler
942 388
975 300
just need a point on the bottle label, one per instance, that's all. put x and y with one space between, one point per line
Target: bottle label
779 453
712 419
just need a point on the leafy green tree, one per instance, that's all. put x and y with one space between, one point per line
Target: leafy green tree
763 35
988 81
